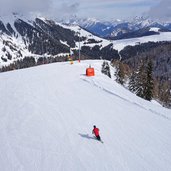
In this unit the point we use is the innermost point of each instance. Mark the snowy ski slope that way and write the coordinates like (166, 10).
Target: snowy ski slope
(47, 114)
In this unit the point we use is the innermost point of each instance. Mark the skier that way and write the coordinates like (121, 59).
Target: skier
(96, 133)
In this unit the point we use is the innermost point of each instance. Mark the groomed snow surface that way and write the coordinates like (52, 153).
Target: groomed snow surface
(47, 115)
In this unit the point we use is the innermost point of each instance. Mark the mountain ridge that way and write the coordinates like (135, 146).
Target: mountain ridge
(114, 28)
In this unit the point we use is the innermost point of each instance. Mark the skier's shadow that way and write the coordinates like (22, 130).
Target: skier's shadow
(87, 136)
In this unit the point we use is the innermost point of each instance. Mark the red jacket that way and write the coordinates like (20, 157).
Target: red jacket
(96, 131)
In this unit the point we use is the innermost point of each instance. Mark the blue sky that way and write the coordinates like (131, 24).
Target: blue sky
(100, 9)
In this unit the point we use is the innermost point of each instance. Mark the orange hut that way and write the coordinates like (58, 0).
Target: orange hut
(90, 72)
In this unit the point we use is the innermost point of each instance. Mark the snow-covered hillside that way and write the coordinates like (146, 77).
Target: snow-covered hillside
(22, 37)
(47, 114)
(83, 33)
(120, 44)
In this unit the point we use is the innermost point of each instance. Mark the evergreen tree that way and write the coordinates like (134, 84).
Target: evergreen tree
(149, 85)
(120, 73)
(165, 93)
(132, 82)
(106, 69)
(141, 81)
(156, 89)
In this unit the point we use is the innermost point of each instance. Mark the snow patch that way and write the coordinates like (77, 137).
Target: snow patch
(155, 29)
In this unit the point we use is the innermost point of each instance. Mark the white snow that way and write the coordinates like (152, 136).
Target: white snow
(47, 114)
(155, 29)
(17, 43)
(120, 44)
(65, 43)
(83, 33)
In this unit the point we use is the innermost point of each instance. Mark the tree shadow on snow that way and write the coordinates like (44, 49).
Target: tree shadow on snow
(87, 136)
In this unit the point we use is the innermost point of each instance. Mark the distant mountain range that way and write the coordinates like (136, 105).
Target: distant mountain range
(120, 29)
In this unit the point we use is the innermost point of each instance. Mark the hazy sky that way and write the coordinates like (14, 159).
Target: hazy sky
(101, 9)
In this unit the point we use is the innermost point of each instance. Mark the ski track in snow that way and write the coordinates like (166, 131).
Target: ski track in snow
(97, 84)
